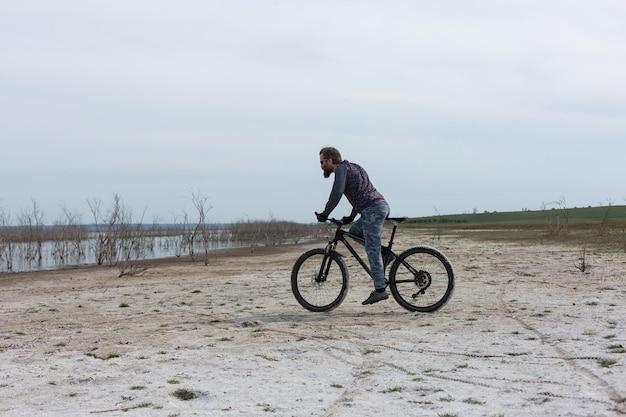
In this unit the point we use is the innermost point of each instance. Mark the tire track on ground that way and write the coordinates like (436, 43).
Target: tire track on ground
(561, 354)
(370, 361)
(511, 382)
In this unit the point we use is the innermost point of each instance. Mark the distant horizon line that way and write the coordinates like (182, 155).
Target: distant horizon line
(98, 226)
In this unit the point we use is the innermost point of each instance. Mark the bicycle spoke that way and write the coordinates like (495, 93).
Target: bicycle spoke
(421, 279)
(319, 281)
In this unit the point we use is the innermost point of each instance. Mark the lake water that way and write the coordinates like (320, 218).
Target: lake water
(158, 247)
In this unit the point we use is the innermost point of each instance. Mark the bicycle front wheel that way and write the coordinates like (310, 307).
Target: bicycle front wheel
(319, 280)
(421, 279)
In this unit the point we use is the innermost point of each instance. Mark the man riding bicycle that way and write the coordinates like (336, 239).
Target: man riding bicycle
(352, 181)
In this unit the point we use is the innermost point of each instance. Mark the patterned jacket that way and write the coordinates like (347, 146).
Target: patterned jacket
(352, 181)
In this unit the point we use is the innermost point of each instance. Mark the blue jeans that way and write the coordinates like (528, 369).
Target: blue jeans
(370, 227)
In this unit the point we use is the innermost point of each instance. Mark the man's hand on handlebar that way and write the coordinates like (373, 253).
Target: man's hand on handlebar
(347, 219)
(322, 218)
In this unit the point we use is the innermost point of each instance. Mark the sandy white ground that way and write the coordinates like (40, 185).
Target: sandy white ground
(525, 334)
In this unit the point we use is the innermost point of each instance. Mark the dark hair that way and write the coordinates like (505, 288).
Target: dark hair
(331, 153)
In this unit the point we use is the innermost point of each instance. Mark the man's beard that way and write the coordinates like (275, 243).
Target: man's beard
(327, 172)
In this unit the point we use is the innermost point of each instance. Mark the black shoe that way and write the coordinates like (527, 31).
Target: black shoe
(376, 297)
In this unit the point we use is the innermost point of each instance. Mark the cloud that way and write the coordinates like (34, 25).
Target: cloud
(151, 99)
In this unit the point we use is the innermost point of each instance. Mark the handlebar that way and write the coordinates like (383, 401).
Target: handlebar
(394, 220)
(337, 222)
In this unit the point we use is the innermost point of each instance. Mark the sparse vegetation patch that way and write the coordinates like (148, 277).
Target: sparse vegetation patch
(184, 394)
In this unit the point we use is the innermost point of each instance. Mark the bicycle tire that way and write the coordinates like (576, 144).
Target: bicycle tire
(316, 294)
(421, 279)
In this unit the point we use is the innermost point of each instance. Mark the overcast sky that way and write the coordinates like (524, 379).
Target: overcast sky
(451, 106)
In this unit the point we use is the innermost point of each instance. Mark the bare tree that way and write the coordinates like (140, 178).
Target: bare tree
(581, 263)
(106, 230)
(296, 232)
(133, 240)
(118, 241)
(558, 217)
(178, 242)
(31, 233)
(101, 237)
(69, 236)
(269, 232)
(247, 231)
(6, 239)
(201, 230)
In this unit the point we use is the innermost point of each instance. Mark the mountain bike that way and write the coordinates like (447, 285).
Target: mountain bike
(420, 278)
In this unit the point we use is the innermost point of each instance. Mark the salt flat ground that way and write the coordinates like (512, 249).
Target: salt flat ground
(525, 334)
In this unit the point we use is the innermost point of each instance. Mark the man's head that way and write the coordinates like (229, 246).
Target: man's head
(329, 159)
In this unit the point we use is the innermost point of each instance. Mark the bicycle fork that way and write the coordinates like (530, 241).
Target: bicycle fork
(325, 267)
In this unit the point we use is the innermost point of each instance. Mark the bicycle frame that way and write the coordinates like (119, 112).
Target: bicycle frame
(340, 236)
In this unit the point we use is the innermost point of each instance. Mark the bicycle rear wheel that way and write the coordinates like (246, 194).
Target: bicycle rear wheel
(319, 281)
(421, 279)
